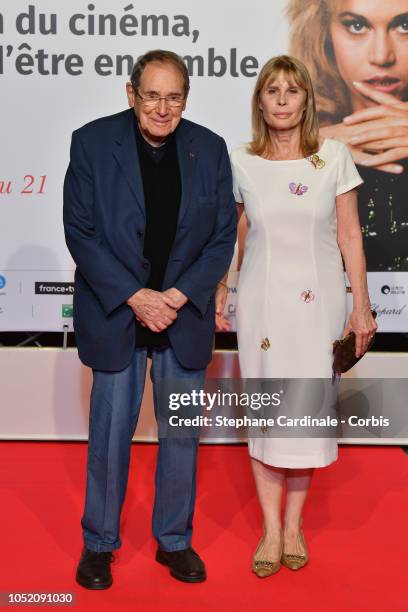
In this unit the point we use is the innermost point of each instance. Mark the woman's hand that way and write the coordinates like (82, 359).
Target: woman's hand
(346, 133)
(363, 324)
(376, 136)
(221, 323)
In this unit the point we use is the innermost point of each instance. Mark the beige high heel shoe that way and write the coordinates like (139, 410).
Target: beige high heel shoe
(265, 567)
(295, 562)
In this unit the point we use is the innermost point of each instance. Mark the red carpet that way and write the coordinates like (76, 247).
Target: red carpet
(355, 525)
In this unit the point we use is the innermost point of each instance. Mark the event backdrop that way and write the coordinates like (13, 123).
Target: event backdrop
(63, 64)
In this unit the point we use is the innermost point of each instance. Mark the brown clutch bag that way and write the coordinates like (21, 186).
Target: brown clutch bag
(344, 352)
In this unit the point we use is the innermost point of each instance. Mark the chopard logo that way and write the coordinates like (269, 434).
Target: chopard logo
(388, 311)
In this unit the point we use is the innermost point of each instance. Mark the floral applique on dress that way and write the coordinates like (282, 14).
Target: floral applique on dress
(298, 188)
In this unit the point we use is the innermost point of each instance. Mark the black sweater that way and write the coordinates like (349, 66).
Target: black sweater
(162, 194)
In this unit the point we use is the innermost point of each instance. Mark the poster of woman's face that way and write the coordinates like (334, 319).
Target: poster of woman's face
(357, 54)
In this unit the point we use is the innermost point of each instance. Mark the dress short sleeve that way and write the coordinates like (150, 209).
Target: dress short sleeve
(235, 184)
(347, 173)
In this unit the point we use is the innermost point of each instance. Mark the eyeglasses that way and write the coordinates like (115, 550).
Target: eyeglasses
(151, 100)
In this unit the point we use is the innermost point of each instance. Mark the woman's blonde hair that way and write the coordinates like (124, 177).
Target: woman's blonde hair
(295, 71)
(310, 41)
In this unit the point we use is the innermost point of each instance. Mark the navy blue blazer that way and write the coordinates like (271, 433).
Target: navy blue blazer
(104, 222)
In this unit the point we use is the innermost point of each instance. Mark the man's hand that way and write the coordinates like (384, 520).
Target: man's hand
(174, 298)
(152, 310)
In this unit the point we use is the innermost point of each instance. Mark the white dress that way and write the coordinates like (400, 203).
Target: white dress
(291, 298)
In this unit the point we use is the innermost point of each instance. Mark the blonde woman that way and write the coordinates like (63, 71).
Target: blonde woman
(357, 54)
(298, 193)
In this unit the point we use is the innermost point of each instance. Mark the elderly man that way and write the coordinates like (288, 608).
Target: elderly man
(150, 222)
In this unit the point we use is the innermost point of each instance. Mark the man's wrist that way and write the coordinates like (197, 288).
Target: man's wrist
(131, 300)
(176, 298)
(178, 293)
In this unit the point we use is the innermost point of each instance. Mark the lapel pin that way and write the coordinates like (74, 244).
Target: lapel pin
(192, 155)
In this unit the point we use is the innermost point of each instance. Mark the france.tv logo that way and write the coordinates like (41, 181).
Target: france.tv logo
(2, 281)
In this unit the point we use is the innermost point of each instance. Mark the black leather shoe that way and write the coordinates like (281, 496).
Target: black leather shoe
(94, 569)
(184, 565)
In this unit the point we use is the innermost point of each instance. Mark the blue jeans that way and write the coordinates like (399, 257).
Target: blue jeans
(115, 404)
